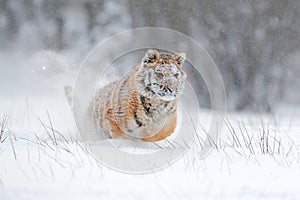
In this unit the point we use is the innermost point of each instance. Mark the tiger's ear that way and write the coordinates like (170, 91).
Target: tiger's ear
(180, 58)
(151, 56)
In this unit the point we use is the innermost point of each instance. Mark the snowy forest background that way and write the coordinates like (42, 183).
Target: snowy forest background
(255, 44)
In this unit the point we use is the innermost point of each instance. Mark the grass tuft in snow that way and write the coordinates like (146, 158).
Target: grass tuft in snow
(260, 138)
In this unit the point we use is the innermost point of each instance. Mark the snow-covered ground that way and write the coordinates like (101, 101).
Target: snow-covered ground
(42, 157)
(38, 168)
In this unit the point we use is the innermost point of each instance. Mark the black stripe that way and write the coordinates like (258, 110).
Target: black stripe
(166, 104)
(144, 104)
(148, 88)
(137, 121)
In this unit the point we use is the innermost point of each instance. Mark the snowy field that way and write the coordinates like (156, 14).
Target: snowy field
(256, 160)
(42, 157)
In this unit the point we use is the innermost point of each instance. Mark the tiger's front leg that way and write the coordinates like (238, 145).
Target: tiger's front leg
(165, 131)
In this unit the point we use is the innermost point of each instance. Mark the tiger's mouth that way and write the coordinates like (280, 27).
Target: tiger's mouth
(166, 96)
(166, 88)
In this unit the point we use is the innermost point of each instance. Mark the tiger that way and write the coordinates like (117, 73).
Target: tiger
(143, 103)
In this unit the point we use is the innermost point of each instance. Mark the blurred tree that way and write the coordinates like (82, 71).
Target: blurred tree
(249, 40)
(11, 21)
(53, 10)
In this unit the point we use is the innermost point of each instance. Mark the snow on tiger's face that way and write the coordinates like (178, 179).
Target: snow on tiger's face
(163, 75)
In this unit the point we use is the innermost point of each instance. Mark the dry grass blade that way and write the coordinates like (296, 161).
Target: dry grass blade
(51, 128)
(3, 127)
(233, 133)
(12, 139)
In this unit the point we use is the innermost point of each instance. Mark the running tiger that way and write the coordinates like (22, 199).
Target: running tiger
(143, 103)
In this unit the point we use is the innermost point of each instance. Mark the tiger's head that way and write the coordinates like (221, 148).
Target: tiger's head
(160, 75)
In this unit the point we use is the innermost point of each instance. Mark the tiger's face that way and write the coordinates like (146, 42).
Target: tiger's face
(161, 75)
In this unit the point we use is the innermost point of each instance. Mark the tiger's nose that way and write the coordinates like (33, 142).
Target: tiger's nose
(163, 87)
(167, 87)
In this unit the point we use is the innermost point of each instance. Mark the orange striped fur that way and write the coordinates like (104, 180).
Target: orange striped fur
(142, 104)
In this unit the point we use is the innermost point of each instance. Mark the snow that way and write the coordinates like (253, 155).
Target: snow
(52, 172)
